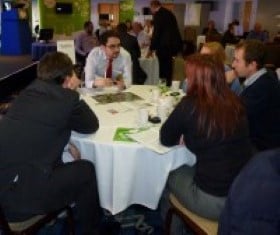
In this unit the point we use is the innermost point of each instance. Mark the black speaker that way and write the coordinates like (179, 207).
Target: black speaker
(146, 11)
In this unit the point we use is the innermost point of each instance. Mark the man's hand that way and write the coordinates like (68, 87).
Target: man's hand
(71, 82)
(103, 82)
(120, 82)
(230, 76)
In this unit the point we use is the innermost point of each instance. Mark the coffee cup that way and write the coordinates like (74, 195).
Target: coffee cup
(175, 85)
(143, 116)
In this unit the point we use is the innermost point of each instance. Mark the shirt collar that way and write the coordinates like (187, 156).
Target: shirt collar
(250, 80)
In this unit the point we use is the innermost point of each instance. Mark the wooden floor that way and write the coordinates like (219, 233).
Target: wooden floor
(10, 64)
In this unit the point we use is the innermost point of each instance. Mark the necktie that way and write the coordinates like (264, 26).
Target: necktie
(109, 69)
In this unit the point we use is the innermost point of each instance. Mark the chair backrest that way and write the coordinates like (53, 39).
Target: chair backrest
(198, 224)
(33, 224)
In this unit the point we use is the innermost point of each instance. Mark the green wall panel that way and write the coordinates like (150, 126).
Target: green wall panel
(126, 10)
(63, 23)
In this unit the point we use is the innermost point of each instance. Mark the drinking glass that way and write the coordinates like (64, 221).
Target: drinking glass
(162, 85)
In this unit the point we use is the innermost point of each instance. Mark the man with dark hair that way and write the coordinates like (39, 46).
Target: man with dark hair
(33, 133)
(166, 39)
(130, 43)
(261, 94)
(109, 64)
(84, 42)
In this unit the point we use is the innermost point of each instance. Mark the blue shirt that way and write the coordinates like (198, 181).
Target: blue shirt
(262, 35)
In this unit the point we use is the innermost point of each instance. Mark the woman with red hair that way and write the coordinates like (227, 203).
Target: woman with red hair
(211, 121)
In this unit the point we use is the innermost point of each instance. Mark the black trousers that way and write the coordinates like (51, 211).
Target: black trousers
(165, 64)
(73, 182)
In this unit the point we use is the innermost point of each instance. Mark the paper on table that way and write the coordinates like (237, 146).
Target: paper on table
(121, 134)
(150, 139)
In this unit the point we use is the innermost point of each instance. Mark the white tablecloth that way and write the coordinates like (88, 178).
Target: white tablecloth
(127, 173)
(151, 67)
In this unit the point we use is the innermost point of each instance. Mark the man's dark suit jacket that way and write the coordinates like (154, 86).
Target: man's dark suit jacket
(33, 135)
(166, 35)
(130, 43)
(262, 102)
(252, 205)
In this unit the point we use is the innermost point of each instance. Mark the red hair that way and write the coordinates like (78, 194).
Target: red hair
(218, 109)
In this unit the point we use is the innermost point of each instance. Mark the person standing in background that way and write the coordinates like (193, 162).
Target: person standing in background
(84, 42)
(166, 40)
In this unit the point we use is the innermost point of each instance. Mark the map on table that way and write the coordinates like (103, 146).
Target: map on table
(116, 97)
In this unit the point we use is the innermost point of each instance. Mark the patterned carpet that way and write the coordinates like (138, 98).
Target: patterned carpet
(136, 220)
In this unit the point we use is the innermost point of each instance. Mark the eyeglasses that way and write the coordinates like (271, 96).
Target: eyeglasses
(114, 46)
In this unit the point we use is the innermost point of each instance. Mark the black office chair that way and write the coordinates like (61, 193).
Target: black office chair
(35, 223)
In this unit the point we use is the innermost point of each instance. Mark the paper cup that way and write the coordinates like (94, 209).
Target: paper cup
(175, 85)
(143, 116)
(162, 112)
(155, 95)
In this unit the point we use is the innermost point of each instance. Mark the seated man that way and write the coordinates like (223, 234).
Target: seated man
(210, 29)
(84, 42)
(109, 64)
(252, 206)
(261, 94)
(258, 34)
(33, 133)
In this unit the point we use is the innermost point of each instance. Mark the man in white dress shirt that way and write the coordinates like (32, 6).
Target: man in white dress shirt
(109, 64)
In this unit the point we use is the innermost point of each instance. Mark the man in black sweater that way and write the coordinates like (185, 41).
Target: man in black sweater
(261, 94)
(33, 134)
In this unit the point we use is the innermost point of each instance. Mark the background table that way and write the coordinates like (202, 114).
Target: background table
(41, 48)
(127, 173)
